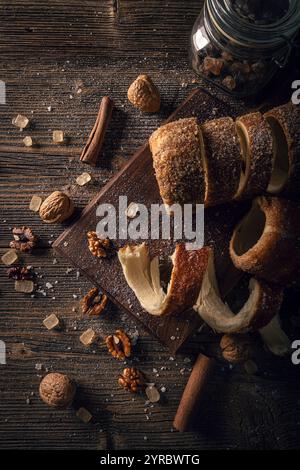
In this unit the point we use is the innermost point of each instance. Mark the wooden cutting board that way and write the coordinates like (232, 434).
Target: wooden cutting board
(137, 181)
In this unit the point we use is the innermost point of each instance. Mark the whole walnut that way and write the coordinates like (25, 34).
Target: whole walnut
(57, 390)
(144, 95)
(235, 348)
(56, 208)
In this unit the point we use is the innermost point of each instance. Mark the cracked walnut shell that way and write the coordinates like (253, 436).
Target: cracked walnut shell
(131, 379)
(58, 207)
(57, 390)
(119, 345)
(144, 95)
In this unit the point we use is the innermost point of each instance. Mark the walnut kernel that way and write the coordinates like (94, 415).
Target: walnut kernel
(99, 247)
(132, 379)
(93, 303)
(119, 345)
(24, 239)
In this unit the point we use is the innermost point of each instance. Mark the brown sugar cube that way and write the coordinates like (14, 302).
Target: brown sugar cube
(88, 337)
(153, 394)
(20, 121)
(58, 137)
(84, 415)
(10, 257)
(213, 66)
(229, 82)
(28, 141)
(51, 322)
(26, 287)
(83, 179)
(35, 203)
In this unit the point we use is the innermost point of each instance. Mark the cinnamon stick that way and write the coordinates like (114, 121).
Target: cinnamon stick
(192, 392)
(95, 141)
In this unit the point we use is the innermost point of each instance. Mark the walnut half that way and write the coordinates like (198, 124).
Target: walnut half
(24, 239)
(99, 247)
(93, 303)
(132, 379)
(119, 345)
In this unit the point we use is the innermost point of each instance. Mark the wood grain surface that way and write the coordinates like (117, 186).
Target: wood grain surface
(48, 54)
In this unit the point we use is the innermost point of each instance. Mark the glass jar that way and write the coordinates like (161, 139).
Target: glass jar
(240, 44)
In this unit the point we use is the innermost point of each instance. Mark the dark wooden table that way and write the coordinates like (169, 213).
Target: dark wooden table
(66, 55)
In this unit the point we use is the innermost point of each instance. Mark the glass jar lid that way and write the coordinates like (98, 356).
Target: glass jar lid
(236, 21)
